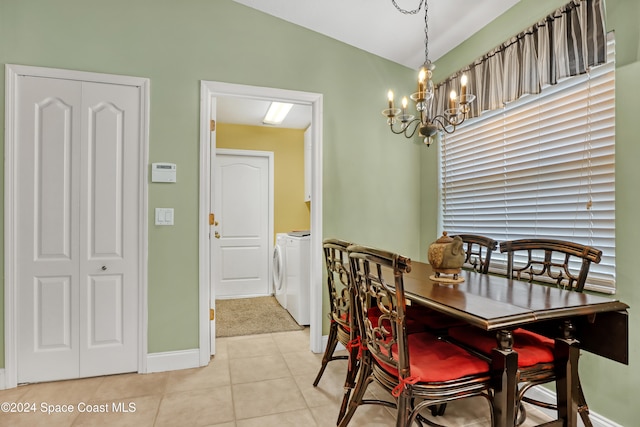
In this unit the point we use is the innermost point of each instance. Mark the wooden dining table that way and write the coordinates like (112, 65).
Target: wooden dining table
(577, 321)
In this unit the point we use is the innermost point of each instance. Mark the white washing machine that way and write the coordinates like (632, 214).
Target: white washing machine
(298, 276)
(279, 278)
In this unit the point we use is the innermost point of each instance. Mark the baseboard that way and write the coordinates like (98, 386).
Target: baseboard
(156, 362)
(325, 340)
(546, 395)
(173, 360)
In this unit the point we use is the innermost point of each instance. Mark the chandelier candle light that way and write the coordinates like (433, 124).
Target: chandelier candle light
(427, 124)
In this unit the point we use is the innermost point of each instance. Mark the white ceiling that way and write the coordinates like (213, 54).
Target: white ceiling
(246, 111)
(376, 27)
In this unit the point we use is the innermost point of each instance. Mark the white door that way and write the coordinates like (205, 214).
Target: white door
(78, 206)
(241, 201)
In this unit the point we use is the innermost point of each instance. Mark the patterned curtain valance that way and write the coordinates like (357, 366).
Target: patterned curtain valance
(565, 43)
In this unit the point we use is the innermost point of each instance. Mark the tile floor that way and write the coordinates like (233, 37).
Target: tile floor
(260, 380)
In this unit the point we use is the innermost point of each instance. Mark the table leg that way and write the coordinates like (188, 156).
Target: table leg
(567, 351)
(504, 368)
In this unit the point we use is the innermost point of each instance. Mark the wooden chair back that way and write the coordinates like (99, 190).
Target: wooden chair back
(478, 250)
(385, 331)
(338, 281)
(549, 260)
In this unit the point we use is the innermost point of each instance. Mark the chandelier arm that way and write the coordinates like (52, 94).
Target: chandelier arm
(445, 123)
(405, 130)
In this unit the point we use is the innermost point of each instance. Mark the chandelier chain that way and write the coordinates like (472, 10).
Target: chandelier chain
(429, 123)
(426, 23)
(426, 32)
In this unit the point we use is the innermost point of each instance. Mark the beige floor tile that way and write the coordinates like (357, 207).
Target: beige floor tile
(216, 374)
(292, 341)
(260, 380)
(133, 412)
(196, 408)
(259, 368)
(285, 419)
(251, 346)
(131, 385)
(329, 391)
(365, 416)
(64, 392)
(303, 362)
(14, 394)
(266, 398)
(38, 419)
(222, 349)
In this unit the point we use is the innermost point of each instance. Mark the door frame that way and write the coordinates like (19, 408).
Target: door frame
(270, 158)
(12, 73)
(209, 90)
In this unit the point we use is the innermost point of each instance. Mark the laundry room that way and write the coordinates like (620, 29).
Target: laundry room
(282, 302)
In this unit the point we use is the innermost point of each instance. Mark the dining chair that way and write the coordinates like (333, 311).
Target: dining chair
(419, 369)
(544, 262)
(343, 327)
(342, 323)
(478, 250)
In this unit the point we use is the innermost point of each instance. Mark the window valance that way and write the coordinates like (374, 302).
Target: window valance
(565, 43)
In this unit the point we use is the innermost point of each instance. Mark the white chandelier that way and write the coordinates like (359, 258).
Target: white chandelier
(426, 123)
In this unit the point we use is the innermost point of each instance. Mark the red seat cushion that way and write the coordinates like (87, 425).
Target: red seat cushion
(532, 348)
(413, 326)
(434, 360)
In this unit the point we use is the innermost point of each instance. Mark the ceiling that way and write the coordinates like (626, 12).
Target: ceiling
(374, 26)
(247, 111)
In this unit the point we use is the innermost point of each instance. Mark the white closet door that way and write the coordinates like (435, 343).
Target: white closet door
(48, 227)
(109, 229)
(77, 211)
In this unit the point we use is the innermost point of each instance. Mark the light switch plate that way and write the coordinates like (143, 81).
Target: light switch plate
(164, 216)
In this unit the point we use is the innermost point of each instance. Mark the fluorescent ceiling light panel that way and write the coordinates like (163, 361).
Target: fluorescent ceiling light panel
(276, 113)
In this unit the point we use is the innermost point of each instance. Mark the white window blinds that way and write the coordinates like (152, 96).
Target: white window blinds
(543, 166)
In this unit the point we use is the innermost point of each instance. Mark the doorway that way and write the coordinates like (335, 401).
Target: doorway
(210, 91)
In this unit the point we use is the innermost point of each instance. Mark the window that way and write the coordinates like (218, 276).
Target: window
(543, 166)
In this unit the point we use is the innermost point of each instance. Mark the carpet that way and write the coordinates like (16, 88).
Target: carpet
(249, 316)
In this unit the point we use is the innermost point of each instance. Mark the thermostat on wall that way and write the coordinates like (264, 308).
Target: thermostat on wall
(163, 172)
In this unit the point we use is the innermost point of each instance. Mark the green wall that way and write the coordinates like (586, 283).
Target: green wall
(610, 387)
(179, 43)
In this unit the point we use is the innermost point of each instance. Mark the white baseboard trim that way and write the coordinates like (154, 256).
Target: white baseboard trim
(325, 340)
(156, 362)
(546, 395)
(173, 360)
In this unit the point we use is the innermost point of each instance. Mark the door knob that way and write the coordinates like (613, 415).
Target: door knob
(216, 235)
(104, 267)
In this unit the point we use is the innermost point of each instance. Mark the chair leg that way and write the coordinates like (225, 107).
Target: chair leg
(363, 380)
(332, 343)
(404, 410)
(350, 381)
(583, 408)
